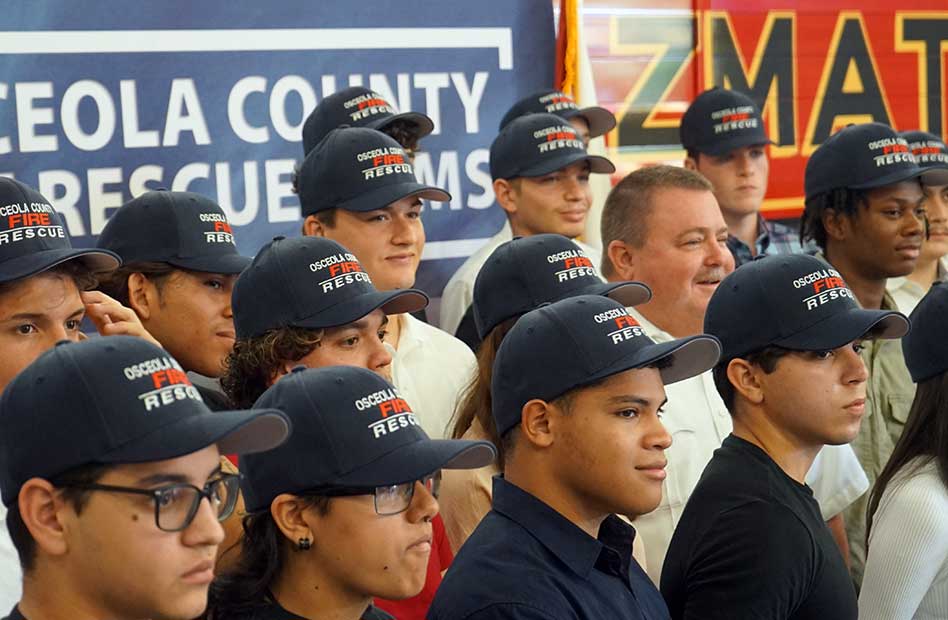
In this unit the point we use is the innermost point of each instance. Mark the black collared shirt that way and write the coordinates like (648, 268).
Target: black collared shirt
(751, 543)
(273, 611)
(15, 615)
(525, 561)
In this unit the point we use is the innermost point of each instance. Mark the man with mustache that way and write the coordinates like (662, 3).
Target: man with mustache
(865, 210)
(751, 542)
(541, 174)
(662, 226)
(724, 136)
(932, 266)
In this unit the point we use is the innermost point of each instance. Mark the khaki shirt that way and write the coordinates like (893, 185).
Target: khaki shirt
(889, 395)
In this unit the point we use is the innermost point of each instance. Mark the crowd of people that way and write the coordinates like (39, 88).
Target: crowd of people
(716, 416)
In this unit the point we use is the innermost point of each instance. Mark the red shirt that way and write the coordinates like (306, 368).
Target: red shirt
(416, 607)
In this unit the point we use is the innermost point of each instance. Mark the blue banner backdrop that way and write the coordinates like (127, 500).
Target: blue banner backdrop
(101, 100)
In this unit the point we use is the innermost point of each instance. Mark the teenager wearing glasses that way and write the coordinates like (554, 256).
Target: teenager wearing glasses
(342, 512)
(114, 503)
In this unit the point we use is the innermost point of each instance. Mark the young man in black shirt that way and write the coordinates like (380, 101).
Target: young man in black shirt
(751, 542)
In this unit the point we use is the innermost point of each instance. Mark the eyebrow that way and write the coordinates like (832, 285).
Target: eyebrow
(697, 229)
(631, 399)
(170, 478)
(39, 316)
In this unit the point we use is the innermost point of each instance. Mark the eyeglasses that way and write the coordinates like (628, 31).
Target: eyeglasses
(389, 500)
(177, 504)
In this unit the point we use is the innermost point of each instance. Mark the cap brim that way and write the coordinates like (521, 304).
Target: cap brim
(892, 178)
(424, 124)
(689, 357)
(419, 459)
(234, 432)
(225, 263)
(935, 175)
(597, 164)
(381, 197)
(391, 302)
(97, 261)
(626, 293)
(725, 147)
(845, 327)
(600, 120)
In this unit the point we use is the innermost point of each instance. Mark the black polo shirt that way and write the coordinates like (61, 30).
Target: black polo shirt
(273, 611)
(525, 561)
(751, 543)
(15, 615)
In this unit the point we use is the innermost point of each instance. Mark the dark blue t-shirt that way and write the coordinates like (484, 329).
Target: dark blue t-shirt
(525, 561)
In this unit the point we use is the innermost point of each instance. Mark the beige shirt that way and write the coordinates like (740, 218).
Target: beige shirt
(431, 369)
(889, 396)
(906, 294)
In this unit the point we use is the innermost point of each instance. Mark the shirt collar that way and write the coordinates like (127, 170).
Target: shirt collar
(762, 242)
(564, 539)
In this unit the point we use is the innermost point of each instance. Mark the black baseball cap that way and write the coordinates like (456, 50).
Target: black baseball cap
(310, 282)
(864, 156)
(525, 272)
(600, 120)
(34, 239)
(538, 144)
(358, 107)
(359, 170)
(797, 302)
(578, 341)
(721, 120)
(351, 428)
(931, 154)
(182, 229)
(111, 401)
(924, 347)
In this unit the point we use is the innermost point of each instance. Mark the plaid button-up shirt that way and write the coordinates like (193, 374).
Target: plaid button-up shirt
(772, 238)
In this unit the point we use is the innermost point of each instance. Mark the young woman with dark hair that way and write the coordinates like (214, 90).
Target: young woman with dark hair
(907, 522)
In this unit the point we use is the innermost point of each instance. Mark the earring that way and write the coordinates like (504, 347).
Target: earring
(304, 544)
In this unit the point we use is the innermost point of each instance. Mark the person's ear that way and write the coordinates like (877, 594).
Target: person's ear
(536, 423)
(293, 516)
(690, 164)
(44, 513)
(312, 227)
(506, 195)
(836, 224)
(745, 378)
(622, 256)
(143, 296)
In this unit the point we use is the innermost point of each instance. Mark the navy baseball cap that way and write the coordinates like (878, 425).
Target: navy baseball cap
(310, 282)
(721, 120)
(110, 401)
(538, 144)
(182, 229)
(34, 239)
(578, 341)
(351, 428)
(601, 121)
(931, 154)
(797, 302)
(863, 156)
(924, 346)
(359, 170)
(525, 272)
(358, 107)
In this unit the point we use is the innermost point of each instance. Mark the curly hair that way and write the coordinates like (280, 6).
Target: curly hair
(74, 270)
(255, 362)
